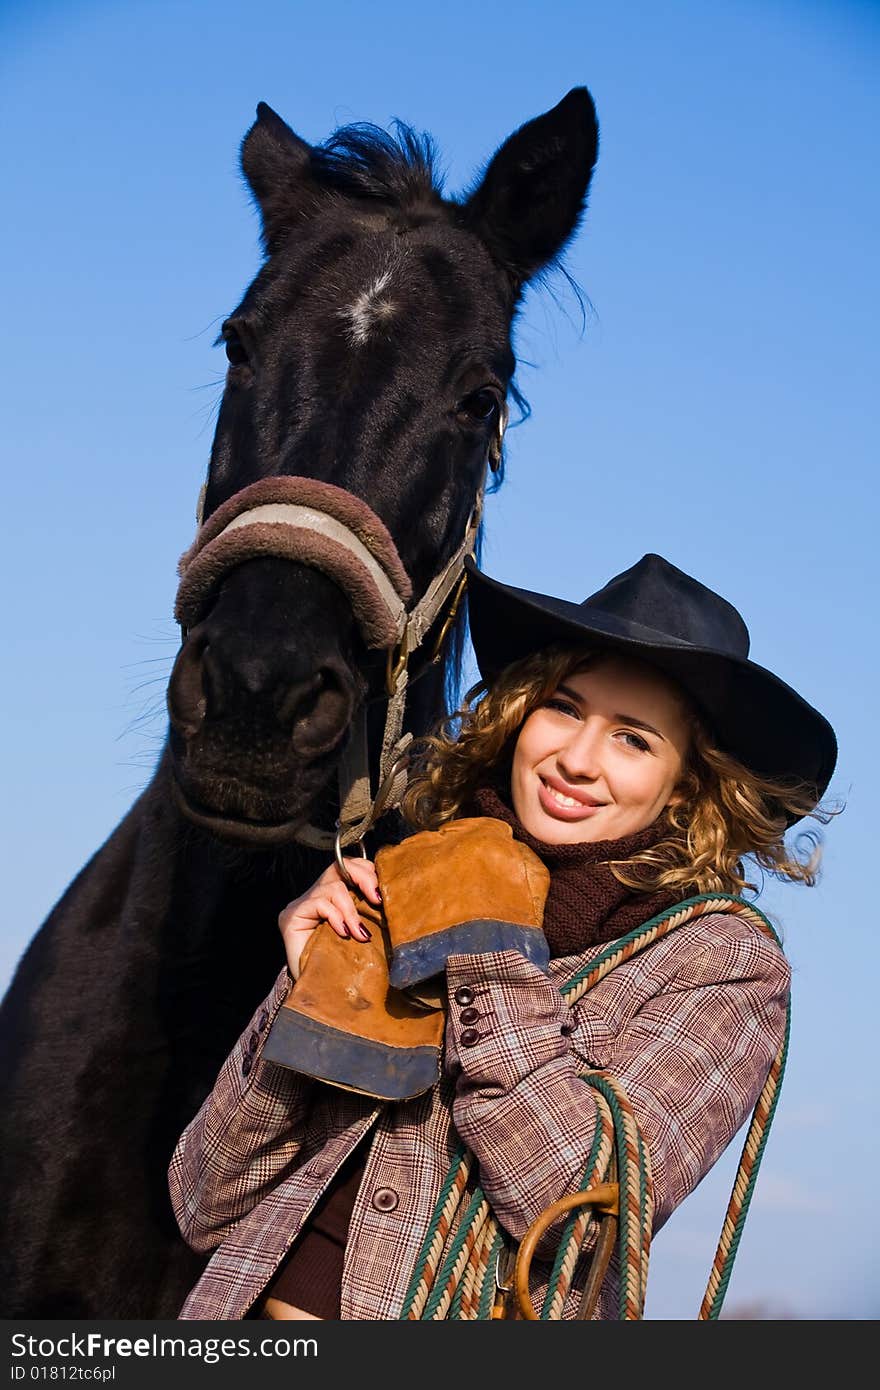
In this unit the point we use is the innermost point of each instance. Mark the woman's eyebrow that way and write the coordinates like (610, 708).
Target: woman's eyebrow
(572, 694)
(638, 724)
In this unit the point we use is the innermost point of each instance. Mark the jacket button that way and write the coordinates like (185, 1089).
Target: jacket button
(253, 1043)
(464, 995)
(246, 1066)
(263, 1020)
(385, 1199)
(469, 1037)
(469, 1015)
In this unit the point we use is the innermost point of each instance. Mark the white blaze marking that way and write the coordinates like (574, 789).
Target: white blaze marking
(369, 309)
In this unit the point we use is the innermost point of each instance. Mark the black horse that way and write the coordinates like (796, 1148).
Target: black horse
(372, 355)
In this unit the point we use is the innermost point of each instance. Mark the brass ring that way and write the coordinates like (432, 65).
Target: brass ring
(605, 1196)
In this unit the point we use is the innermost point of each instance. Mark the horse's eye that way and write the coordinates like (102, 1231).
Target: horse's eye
(480, 405)
(235, 349)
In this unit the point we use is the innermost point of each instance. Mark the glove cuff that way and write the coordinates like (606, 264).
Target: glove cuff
(417, 960)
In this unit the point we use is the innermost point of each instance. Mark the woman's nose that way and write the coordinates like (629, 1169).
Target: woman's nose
(579, 759)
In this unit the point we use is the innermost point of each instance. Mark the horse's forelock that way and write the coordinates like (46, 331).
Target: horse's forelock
(365, 161)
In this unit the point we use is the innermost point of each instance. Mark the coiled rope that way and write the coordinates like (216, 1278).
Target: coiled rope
(456, 1274)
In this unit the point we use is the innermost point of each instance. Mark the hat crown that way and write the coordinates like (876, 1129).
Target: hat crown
(655, 594)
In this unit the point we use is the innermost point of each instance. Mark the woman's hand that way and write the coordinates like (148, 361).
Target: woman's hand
(328, 900)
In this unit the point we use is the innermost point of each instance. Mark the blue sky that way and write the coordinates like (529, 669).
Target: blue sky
(718, 407)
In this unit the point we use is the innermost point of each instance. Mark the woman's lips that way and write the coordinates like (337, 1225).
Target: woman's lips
(582, 811)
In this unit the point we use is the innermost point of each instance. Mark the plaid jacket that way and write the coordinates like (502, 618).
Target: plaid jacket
(689, 1028)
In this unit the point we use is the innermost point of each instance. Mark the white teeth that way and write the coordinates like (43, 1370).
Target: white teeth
(563, 800)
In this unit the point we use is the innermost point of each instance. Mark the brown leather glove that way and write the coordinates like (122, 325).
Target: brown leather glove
(343, 1023)
(465, 888)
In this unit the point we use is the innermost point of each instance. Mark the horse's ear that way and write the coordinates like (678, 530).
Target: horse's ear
(534, 191)
(275, 162)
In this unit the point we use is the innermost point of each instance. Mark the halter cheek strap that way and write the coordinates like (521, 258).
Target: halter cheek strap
(358, 808)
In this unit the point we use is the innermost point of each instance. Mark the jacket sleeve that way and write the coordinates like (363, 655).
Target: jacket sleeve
(244, 1140)
(689, 1030)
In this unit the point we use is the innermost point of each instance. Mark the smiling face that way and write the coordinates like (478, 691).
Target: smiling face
(602, 756)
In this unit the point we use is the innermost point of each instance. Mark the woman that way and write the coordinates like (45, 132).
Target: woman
(631, 744)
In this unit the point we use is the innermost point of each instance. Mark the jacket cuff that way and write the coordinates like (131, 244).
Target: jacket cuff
(505, 1019)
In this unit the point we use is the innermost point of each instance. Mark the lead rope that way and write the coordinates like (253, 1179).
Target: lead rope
(464, 1282)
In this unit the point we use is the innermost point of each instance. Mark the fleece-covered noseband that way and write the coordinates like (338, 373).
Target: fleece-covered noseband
(315, 523)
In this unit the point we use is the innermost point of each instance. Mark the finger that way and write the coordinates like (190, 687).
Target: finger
(346, 905)
(309, 909)
(363, 871)
(301, 911)
(341, 896)
(330, 912)
(306, 913)
(343, 905)
(345, 902)
(301, 906)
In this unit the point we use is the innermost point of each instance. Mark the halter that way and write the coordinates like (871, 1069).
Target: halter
(332, 530)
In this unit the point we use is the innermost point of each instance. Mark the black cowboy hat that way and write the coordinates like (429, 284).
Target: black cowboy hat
(660, 614)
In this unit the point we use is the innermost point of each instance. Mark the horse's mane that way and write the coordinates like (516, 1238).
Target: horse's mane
(365, 161)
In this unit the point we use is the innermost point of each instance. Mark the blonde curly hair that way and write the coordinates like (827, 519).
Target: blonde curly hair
(725, 812)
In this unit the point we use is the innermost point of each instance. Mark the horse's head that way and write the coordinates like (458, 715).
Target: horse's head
(371, 353)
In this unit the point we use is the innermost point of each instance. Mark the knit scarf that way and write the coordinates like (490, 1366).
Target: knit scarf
(586, 904)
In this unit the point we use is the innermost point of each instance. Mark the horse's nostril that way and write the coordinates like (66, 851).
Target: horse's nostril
(297, 698)
(187, 698)
(320, 710)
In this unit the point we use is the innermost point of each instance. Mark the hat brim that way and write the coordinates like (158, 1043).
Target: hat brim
(753, 714)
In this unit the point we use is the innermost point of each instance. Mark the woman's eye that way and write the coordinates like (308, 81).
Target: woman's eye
(635, 741)
(564, 706)
(235, 349)
(480, 405)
